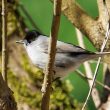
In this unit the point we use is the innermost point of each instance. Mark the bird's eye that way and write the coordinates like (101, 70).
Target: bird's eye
(29, 41)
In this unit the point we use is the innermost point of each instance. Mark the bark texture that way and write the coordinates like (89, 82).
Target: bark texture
(46, 88)
(7, 101)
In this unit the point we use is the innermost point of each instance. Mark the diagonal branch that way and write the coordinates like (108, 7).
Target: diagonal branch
(80, 19)
(92, 28)
(46, 88)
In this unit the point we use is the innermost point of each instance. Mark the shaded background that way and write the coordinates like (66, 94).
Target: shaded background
(72, 85)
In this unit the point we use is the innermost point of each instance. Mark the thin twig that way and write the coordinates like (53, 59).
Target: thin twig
(4, 39)
(29, 17)
(95, 94)
(46, 88)
(98, 64)
(87, 78)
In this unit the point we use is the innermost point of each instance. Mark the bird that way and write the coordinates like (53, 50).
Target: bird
(68, 56)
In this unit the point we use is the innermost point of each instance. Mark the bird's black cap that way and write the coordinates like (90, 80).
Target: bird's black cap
(31, 35)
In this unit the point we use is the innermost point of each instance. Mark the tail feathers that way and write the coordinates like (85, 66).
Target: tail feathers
(102, 53)
(95, 55)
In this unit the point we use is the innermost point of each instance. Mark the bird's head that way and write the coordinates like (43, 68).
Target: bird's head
(29, 38)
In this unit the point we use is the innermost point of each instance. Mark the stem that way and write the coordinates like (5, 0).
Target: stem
(46, 88)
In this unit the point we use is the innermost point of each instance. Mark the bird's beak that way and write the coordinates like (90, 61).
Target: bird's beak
(20, 41)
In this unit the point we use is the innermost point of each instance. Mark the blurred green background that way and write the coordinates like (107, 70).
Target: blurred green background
(41, 13)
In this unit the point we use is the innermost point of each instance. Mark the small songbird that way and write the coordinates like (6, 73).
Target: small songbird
(68, 56)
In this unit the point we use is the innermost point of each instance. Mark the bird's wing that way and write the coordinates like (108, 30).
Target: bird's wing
(63, 47)
(66, 48)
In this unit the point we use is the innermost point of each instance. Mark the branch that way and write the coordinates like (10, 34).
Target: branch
(46, 88)
(95, 94)
(79, 18)
(103, 12)
(4, 39)
(92, 28)
(7, 101)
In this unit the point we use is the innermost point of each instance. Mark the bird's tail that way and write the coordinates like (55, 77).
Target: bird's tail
(99, 54)
(95, 55)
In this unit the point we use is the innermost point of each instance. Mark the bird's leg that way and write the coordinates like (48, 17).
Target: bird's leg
(55, 78)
